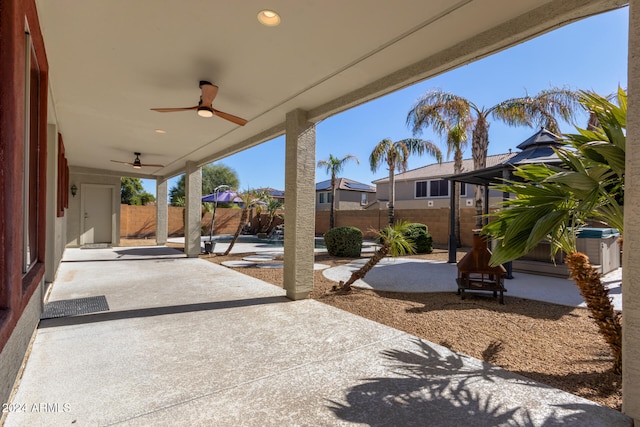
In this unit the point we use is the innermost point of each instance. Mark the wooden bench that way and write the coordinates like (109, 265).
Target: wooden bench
(481, 282)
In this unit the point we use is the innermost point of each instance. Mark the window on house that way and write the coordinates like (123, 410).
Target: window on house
(463, 189)
(325, 197)
(421, 189)
(439, 188)
(30, 176)
(363, 199)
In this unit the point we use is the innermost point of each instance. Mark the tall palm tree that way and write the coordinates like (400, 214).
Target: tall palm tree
(447, 122)
(334, 166)
(554, 202)
(249, 198)
(394, 241)
(396, 156)
(541, 110)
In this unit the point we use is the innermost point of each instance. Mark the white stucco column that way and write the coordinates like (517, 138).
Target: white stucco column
(631, 246)
(162, 211)
(193, 209)
(299, 218)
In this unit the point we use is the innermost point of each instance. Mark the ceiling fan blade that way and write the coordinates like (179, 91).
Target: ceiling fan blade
(173, 110)
(235, 119)
(151, 165)
(124, 163)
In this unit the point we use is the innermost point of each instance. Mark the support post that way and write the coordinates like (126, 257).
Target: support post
(631, 251)
(193, 210)
(299, 220)
(162, 212)
(453, 242)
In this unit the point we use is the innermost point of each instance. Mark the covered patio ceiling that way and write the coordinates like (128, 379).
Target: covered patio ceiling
(112, 61)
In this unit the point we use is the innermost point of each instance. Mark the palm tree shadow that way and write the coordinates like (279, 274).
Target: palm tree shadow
(435, 387)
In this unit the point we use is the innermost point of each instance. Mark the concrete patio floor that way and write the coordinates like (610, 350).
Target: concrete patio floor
(185, 342)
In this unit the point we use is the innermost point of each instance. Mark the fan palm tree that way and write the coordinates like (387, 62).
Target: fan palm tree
(447, 123)
(249, 198)
(541, 110)
(396, 156)
(334, 166)
(394, 241)
(554, 202)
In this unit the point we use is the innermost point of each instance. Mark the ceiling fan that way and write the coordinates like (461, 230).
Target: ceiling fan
(205, 106)
(137, 164)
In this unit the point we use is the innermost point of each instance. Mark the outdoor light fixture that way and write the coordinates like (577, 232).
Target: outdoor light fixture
(74, 190)
(269, 18)
(137, 164)
(204, 111)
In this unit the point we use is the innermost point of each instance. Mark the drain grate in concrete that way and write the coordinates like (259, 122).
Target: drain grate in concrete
(74, 307)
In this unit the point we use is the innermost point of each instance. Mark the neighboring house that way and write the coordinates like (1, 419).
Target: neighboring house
(426, 187)
(276, 194)
(350, 195)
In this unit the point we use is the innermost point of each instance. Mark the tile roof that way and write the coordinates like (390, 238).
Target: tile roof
(436, 170)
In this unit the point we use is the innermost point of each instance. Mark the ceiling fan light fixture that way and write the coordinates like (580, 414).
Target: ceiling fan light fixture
(268, 17)
(137, 164)
(204, 111)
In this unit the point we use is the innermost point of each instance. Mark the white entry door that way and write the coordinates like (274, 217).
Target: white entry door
(97, 211)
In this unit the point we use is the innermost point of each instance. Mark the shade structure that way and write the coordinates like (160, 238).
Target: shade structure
(226, 196)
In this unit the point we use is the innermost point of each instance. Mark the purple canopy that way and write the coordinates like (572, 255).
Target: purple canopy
(226, 196)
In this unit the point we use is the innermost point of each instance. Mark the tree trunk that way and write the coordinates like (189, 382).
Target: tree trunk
(243, 219)
(359, 274)
(457, 169)
(392, 193)
(479, 148)
(333, 201)
(596, 295)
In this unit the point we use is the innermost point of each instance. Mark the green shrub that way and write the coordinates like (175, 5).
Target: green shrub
(344, 241)
(423, 241)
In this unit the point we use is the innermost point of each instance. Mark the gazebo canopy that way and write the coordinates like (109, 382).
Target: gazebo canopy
(538, 148)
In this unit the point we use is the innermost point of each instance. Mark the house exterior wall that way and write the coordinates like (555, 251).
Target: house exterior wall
(74, 224)
(345, 200)
(20, 293)
(405, 196)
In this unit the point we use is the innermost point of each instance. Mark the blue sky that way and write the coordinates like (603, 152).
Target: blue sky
(589, 54)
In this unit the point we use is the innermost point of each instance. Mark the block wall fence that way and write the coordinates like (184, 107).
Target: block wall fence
(140, 221)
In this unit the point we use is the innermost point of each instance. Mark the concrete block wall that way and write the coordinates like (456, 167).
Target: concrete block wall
(437, 220)
(140, 221)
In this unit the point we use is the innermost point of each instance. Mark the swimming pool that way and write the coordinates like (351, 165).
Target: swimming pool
(319, 241)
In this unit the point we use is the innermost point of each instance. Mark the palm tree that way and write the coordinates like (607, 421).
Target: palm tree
(249, 198)
(395, 242)
(446, 121)
(554, 202)
(334, 166)
(272, 207)
(396, 156)
(541, 110)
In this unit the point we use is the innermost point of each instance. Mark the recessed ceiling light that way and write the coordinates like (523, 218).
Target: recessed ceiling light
(160, 131)
(269, 18)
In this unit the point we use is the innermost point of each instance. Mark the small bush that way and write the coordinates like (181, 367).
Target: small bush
(422, 240)
(344, 241)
